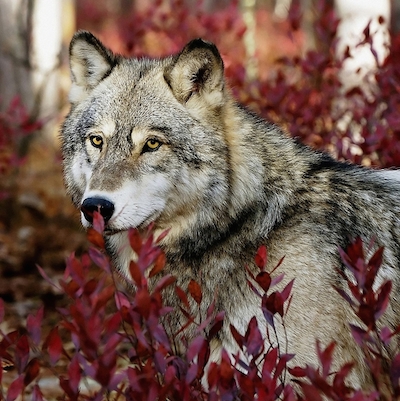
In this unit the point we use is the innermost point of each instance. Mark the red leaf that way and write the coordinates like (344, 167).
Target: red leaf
(264, 280)
(298, 371)
(341, 376)
(385, 335)
(75, 268)
(195, 291)
(194, 348)
(344, 295)
(325, 357)
(191, 373)
(74, 374)
(98, 222)
(359, 334)
(162, 236)
(247, 386)
(254, 340)
(47, 278)
(278, 264)
(143, 301)
(226, 371)
(121, 300)
(8, 339)
(269, 362)
(64, 384)
(237, 336)
(37, 394)
(160, 362)
(355, 290)
(273, 303)
(53, 344)
(31, 371)
(148, 257)
(277, 280)
(261, 257)
(182, 296)
(268, 314)
(217, 325)
(373, 266)
(136, 274)
(135, 240)
(158, 265)
(112, 324)
(95, 238)
(282, 363)
(15, 389)
(164, 283)
(310, 392)
(203, 356)
(366, 314)
(33, 325)
(99, 259)
(286, 291)
(383, 299)
(22, 353)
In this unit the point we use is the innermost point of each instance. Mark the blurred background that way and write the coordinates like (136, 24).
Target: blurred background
(327, 71)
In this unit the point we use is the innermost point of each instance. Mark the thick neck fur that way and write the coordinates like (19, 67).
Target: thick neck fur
(256, 189)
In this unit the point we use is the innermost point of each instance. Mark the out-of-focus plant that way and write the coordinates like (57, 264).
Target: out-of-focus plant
(15, 126)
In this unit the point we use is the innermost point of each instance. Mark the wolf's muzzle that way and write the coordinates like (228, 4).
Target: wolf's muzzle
(103, 206)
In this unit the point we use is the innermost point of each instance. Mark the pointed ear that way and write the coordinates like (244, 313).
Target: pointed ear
(197, 74)
(90, 63)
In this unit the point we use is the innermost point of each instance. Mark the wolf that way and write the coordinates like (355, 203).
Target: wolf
(163, 141)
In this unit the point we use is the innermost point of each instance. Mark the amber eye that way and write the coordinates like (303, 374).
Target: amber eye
(151, 145)
(96, 141)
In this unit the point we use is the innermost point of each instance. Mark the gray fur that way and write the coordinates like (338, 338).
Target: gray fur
(228, 183)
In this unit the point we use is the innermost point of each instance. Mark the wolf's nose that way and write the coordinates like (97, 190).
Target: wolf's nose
(103, 206)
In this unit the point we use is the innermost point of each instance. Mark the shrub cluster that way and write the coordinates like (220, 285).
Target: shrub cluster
(15, 125)
(112, 344)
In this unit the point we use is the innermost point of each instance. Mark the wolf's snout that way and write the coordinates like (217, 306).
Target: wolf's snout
(103, 206)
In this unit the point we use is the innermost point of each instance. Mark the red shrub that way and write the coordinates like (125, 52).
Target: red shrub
(15, 125)
(118, 341)
(121, 345)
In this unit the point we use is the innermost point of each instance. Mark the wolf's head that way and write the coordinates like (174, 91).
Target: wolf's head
(145, 139)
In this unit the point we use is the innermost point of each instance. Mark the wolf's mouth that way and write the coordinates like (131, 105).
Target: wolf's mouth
(109, 231)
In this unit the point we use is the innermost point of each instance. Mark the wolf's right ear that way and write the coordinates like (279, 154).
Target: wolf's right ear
(196, 75)
(90, 63)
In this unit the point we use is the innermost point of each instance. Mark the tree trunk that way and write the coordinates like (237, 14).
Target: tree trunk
(30, 54)
(355, 15)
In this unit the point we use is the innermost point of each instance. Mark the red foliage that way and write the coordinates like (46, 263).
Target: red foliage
(119, 341)
(15, 125)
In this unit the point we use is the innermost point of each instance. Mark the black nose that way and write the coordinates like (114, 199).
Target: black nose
(103, 206)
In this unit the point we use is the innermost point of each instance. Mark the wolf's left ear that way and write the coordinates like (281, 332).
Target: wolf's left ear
(90, 63)
(197, 72)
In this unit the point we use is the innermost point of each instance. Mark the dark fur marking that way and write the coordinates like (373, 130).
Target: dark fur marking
(129, 140)
(201, 44)
(162, 129)
(326, 163)
(194, 247)
(111, 59)
(200, 77)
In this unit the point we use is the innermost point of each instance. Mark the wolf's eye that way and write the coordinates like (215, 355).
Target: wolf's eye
(151, 145)
(96, 141)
